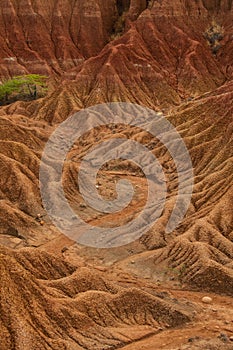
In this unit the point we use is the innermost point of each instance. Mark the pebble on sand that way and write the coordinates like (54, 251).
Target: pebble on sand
(207, 300)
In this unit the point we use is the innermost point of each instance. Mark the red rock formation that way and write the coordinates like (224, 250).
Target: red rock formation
(49, 36)
(176, 56)
(54, 36)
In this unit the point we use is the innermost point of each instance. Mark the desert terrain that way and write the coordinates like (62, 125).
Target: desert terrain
(172, 57)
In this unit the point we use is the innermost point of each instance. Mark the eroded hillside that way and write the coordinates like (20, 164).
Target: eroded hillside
(175, 58)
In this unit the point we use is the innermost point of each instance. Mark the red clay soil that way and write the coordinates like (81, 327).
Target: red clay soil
(175, 57)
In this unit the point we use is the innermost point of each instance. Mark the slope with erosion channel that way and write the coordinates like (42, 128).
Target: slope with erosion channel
(171, 57)
(54, 305)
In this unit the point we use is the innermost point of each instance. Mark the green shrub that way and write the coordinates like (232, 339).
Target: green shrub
(23, 87)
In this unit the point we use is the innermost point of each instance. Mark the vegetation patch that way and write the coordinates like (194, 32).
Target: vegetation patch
(214, 35)
(23, 88)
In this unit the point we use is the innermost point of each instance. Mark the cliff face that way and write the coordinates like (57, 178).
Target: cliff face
(152, 52)
(51, 36)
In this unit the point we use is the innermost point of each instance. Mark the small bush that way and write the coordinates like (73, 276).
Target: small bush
(214, 35)
(23, 87)
(119, 27)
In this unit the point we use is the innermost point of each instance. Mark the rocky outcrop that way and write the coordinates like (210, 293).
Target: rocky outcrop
(52, 37)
